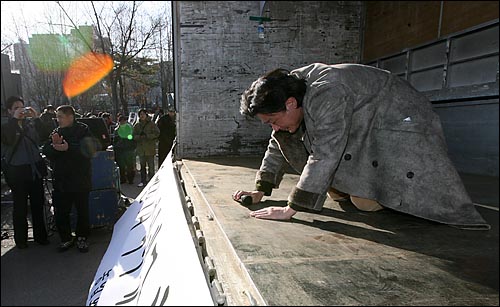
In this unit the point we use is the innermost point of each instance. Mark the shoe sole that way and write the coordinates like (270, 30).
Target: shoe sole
(63, 249)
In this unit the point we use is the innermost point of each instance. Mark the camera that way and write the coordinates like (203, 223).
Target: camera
(26, 110)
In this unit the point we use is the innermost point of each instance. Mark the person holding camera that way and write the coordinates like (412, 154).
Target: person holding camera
(24, 169)
(146, 133)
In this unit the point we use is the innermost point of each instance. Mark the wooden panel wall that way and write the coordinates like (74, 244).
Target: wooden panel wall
(391, 26)
(460, 15)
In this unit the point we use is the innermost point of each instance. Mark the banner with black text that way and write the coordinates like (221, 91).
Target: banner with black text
(151, 259)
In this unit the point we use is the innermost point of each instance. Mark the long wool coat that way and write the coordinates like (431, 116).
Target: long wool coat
(370, 134)
(146, 146)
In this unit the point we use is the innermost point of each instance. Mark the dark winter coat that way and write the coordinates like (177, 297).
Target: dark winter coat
(167, 128)
(370, 134)
(166, 125)
(24, 159)
(146, 135)
(72, 170)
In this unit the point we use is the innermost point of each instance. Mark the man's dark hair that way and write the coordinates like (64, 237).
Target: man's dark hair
(105, 115)
(67, 109)
(142, 110)
(50, 107)
(10, 101)
(269, 93)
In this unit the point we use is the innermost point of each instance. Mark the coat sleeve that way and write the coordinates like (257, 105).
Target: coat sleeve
(10, 135)
(136, 131)
(271, 170)
(8, 131)
(331, 113)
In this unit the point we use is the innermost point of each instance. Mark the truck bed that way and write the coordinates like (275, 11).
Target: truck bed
(340, 256)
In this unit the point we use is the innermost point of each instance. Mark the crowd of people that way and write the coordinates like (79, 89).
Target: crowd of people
(32, 141)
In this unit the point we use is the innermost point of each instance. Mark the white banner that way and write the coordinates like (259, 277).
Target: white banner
(151, 259)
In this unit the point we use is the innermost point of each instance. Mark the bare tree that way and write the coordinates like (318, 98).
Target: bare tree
(41, 86)
(43, 61)
(125, 30)
(130, 35)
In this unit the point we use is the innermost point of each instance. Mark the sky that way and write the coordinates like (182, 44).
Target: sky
(23, 18)
(28, 17)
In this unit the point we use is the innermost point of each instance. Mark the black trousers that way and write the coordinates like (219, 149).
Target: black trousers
(63, 203)
(23, 186)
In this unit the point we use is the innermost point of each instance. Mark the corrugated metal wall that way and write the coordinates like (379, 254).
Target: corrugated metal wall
(459, 74)
(392, 26)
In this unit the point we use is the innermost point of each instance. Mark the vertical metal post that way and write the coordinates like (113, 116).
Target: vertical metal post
(447, 63)
(408, 65)
(440, 19)
(177, 67)
(162, 79)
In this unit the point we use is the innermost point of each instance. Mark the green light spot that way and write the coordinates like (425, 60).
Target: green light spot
(126, 131)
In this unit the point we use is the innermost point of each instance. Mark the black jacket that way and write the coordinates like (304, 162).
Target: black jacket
(72, 170)
(20, 147)
(166, 125)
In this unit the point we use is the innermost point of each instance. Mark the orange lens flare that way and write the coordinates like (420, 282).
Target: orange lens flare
(86, 71)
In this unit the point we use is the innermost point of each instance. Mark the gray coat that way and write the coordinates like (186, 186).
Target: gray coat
(370, 134)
